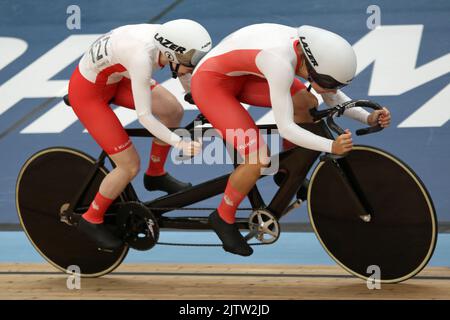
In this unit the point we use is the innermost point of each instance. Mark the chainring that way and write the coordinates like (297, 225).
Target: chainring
(264, 226)
(137, 225)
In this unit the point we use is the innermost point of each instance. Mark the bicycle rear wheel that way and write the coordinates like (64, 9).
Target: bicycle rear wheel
(401, 236)
(45, 186)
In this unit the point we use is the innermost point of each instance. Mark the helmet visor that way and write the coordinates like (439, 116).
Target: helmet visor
(191, 58)
(323, 80)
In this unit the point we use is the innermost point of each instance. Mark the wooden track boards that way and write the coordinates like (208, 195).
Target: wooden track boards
(171, 281)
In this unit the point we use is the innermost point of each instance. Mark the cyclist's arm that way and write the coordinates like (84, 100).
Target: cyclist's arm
(185, 81)
(140, 74)
(280, 76)
(357, 113)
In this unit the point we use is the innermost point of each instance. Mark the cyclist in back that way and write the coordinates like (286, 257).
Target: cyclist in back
(118, 68)
(257, 65)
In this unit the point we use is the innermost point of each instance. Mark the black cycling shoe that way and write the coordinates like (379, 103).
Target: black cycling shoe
(99, 234)
(302, 193)
(165, 183)
(229, 234)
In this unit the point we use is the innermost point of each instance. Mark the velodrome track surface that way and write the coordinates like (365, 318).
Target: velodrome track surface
(219, 281)
(295, 267)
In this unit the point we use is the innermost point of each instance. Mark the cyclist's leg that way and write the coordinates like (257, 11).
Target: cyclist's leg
(303, 101)
(164, 104)
(90, 103)
(215, 96)
(170, 112)
(256, 92)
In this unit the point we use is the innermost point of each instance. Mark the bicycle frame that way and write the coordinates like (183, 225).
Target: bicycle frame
(295, 163)
(340, 194)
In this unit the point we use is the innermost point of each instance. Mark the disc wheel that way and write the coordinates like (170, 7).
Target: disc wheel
(45, 186)
(400, 235)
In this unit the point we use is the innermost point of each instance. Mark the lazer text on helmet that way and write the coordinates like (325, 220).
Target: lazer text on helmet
(308, 52)
(169, 44)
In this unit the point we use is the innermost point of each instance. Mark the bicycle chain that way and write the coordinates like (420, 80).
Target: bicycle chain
(201, 244)
(197, 244)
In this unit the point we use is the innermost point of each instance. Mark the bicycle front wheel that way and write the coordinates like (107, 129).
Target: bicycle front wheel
(400, 237)
(45, 186)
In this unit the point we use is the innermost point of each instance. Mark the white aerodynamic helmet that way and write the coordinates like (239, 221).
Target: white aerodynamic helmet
(183, 41)
(330, 59)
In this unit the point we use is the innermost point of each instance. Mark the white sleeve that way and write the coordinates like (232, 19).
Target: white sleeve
(357, 113)
(185, 81)
(140, 75)
(280, 76)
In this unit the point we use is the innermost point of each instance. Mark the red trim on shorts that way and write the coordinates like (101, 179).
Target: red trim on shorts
(219, 95)
(234, 61)
(102, 77)
(90, 102)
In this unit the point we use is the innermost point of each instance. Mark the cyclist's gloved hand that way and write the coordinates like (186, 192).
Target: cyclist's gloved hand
(343, 143)
(188, 98)
(189, 147)
(380, 117)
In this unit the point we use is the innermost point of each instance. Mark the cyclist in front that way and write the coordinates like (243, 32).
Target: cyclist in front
(118, 68)
(257, 65)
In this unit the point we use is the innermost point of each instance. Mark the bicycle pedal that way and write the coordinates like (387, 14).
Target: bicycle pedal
(251, 235)
(296, 204)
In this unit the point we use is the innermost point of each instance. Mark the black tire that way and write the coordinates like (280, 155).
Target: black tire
(402, 234)
(47, 181)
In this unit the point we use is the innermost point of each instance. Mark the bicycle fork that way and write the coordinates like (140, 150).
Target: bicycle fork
(350, 182)
(353, 188)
